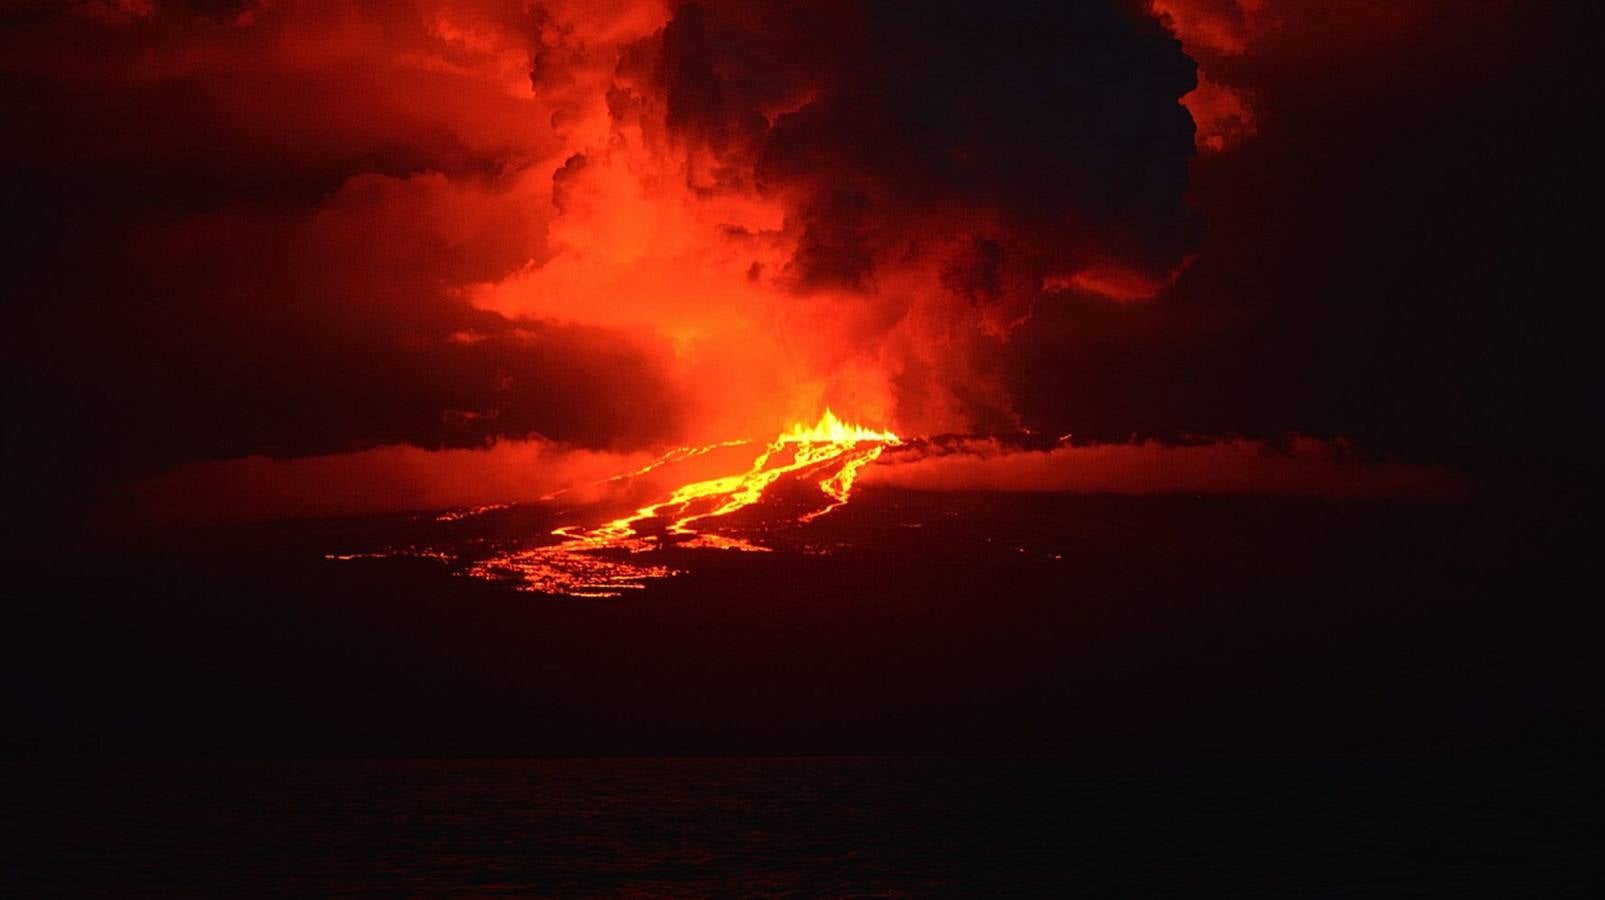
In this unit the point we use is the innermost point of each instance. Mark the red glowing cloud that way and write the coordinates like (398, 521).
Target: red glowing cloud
(326, 228)
(1223, 116)
(1216, 26)
(763, 190)
(781, 213)
(1211, 30)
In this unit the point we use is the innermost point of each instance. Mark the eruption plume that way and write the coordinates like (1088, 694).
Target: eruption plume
(851, 204)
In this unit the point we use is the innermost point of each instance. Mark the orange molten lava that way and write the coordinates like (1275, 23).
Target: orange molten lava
(586, 563)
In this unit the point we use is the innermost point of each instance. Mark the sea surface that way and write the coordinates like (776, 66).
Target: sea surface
(1283, 826)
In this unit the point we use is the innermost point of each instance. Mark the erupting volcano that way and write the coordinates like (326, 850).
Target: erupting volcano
(818, 465)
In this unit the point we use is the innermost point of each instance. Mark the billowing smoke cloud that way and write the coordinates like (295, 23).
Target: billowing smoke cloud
(240, 228)
(853, 204)
(1222, 34)
(1212, 31)
(332, 225)
(1021, 145)
(320, 226)
(1217, 26)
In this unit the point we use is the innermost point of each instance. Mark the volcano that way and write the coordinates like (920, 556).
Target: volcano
(803, 474)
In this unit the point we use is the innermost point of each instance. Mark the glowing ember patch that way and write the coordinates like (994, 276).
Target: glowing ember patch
(564, 570)
(457, 515)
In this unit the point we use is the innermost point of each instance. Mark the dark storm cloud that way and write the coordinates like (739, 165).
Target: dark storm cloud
(1393, 257)
(1050, 131)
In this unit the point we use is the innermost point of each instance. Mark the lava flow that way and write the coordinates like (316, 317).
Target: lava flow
(595, 562)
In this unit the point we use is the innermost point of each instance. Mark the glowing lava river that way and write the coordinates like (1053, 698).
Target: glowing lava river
(816, 467)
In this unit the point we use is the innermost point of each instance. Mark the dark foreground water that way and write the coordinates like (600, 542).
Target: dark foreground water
(1271, 826)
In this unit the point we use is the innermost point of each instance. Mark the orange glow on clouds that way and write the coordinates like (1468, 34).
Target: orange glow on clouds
(662, 223)
(501, 182)
(1227, 27)
(1116, 283)
(1210, 29)
(1222, 114)
(500, 166)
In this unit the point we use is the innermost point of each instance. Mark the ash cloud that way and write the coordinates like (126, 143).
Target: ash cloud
(925, 173)
(1058, 132)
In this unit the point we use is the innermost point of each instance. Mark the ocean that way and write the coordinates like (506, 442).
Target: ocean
(1285, 826)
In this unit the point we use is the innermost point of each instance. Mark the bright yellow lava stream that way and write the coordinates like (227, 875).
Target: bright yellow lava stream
(832, 450)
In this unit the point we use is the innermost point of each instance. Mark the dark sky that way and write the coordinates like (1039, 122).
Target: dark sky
(312, 228)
